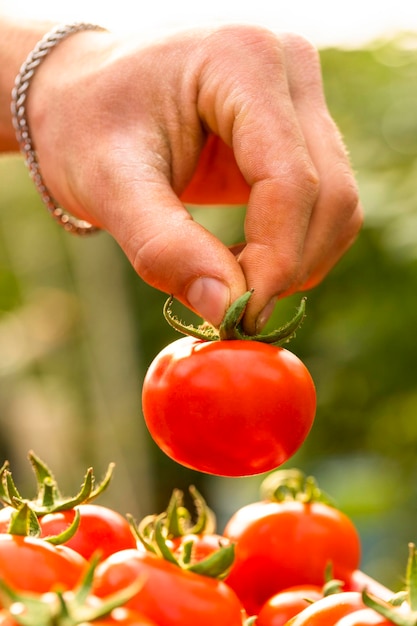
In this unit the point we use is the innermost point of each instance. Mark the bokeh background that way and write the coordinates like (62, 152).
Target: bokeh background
(78, 329)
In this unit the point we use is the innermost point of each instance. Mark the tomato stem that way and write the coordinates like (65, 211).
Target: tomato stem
(231, 327)
(292, 484)
(49, 498)
(390, 609)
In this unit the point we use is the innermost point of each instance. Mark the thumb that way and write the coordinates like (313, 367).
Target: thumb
(175, 254)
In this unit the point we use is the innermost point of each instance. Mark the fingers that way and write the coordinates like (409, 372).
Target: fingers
(337, 215)
(303, 211)
(263, 97)
(169, 250)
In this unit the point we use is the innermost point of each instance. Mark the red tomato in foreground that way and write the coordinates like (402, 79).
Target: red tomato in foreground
(358, 581)
(230, 408)
(170, 596)
(365, 617)
(286, 604)
(328, 610)
(288, 543)
(100, 528)
(31, 564)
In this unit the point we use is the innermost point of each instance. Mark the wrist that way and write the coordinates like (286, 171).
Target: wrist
(17, 39)
(22, 96)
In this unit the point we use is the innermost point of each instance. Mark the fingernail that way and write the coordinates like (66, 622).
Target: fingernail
(210, 297)
(265, 314)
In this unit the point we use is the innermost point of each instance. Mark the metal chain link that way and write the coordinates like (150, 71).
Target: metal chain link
(18, 108)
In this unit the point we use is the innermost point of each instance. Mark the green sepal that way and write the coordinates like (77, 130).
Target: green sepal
(231, 327)
(292, 484)
(217, 564)
(68, 533)
(155, 532)
(179, 519)
(24, 522)
(393, 610)
(48, 498)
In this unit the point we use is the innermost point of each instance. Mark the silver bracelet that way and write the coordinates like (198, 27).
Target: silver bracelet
(21, 126)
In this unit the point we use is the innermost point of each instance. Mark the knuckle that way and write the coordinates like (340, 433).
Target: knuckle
(250, 40)
(300, 46)
(346, 191)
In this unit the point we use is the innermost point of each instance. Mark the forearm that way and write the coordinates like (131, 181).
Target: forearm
(17, 39)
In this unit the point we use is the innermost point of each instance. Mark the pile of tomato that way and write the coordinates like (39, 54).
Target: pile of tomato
(290, 558)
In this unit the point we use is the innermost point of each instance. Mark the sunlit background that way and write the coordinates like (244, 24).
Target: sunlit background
(324, 22)
(78, 327)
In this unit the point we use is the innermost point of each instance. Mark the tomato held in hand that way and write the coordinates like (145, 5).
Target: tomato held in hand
(229, 404)
(230, 408)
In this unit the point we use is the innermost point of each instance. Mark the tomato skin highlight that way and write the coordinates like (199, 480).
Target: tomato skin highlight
(229, 408)
(286, 604)
(288, 543)
(364, 617)
(32, 564)
(170, 595)
(328, 610)
(358, 581)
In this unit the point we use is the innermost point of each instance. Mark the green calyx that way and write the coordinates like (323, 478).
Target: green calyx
(292, 484)
(57, 608)
(49, 498)
(157, 532)
(231, 326)
(25, 518)
(393, 610)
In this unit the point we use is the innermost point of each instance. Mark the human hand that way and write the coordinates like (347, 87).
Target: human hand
(126, 133)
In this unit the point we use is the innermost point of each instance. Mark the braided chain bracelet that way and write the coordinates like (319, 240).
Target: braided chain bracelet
(18, 108)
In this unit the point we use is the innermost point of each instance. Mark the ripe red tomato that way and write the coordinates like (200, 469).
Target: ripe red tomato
(287, 543)
(328, 610)
(217, 179)
(170, 595)
(229, 408)
(101, 528)
(358, 581)
(32, 564)
(6, 619)
(286, 604)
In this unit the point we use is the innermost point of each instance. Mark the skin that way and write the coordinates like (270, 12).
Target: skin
(228, 116)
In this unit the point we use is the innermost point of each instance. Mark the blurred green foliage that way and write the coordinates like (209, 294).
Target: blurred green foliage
(78, 329)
